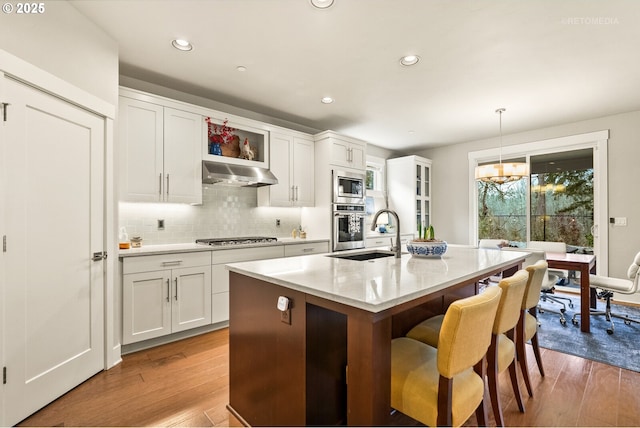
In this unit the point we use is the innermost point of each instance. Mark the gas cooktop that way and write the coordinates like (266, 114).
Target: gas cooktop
(244, 240)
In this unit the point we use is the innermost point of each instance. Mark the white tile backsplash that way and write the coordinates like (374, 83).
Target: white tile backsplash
(225, 212)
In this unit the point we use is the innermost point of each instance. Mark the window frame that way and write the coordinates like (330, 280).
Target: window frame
(597, 141)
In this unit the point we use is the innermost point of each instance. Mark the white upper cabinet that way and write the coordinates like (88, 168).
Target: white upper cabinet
(348, 154)
(409, 190)
(292, 162)
(160, 148)
(344, 152)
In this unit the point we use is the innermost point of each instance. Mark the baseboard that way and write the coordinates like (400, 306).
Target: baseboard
(163, 340)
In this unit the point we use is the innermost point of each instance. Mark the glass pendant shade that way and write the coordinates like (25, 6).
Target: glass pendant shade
(500, 172)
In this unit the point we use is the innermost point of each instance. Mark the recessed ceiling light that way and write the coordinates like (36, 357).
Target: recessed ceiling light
(326, 100)
(409, 60)
(241, 68)
(322, 4)
(182, 45)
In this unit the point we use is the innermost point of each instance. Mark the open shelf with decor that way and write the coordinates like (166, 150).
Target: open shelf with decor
(235, 143)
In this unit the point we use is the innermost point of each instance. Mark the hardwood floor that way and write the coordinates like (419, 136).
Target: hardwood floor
(186, 383)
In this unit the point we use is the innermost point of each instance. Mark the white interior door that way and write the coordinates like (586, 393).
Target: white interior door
(54, 214)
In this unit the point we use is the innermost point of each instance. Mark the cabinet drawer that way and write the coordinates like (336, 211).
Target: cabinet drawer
(305, 249)
(165, 261)
(379, 241)
(246, 254)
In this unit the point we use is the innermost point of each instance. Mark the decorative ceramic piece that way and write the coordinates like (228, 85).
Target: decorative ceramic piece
(427, 248)
(215, 149)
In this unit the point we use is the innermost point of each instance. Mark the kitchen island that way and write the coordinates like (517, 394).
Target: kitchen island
(325, 358)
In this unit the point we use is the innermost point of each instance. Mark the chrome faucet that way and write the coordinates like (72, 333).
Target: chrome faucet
(398, 247)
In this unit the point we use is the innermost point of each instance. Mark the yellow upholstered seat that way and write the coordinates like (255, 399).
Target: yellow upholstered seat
(442, 386)
(502, 351)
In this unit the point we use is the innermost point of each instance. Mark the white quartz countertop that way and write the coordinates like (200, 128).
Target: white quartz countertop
(377, 284)
(146, 250)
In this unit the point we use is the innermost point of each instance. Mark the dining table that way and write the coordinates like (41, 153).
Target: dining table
(585, 264)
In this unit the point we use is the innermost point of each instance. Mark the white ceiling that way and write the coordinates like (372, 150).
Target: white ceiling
(548, 62)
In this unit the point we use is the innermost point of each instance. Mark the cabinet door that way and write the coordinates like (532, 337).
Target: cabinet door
(340, 153)
(358, 156)
(280, 195)
(220, 294)
(303, 172)
(146, 300)
(141, 152)
(191, 299)
(182, 156)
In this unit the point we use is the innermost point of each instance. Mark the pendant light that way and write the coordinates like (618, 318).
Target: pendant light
(501, 173)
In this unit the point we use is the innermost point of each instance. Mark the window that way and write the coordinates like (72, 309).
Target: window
(563, 200)
(374, 178)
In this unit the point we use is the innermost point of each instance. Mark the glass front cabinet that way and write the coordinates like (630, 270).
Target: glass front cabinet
(409, 179)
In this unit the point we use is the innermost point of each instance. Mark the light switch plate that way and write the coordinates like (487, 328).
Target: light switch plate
(619, 221)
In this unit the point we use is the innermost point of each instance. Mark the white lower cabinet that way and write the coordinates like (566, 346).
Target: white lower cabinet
(165, 294)
(169, 293)
(220, 274)
(304, 249)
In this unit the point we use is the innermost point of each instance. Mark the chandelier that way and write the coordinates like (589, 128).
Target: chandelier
(500, 172)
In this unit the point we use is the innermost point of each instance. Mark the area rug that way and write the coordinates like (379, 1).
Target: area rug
(621, 349)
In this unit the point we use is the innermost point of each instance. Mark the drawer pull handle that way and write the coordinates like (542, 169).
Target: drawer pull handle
(172, 263)
(306, 250)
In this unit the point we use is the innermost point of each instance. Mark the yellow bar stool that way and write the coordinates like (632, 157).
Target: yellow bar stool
(502, 350)
(527, 329)
(445, 386)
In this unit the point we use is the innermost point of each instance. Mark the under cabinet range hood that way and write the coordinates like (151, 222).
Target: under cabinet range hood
(236, 175)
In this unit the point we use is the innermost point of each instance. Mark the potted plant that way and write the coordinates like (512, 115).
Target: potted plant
(426, 245)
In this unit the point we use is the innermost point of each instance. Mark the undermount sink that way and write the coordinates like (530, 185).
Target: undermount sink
(369, 255)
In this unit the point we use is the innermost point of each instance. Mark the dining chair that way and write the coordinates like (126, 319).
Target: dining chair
(527, 328)
(502, 350)
(609, 285)
(548, 285)
(492, 244)
(444, 386)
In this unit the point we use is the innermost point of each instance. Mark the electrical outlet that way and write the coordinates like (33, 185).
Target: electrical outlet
(285, 316)
(160, 224)
(277, 222)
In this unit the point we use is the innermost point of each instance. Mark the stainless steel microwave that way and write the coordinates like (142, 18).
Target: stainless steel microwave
(348, 187)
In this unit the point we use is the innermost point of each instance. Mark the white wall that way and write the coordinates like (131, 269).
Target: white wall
(65, 43)
(450, 179)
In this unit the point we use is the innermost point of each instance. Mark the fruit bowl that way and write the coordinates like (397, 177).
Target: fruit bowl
(427, 248)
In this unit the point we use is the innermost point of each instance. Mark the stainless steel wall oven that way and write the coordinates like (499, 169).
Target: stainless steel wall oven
(349, 210)
(348, 226)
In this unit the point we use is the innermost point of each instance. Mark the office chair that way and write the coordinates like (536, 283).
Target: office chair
(610, 285)
(547, 291)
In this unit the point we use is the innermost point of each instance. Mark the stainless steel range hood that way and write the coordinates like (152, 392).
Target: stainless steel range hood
(236, 175)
